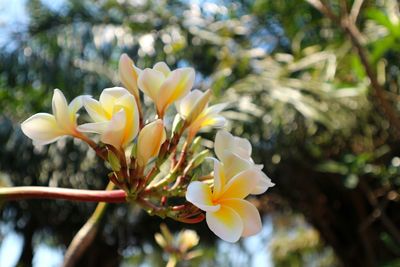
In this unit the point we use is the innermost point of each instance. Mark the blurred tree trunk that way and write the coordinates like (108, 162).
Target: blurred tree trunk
(344, 217)
(100, 254)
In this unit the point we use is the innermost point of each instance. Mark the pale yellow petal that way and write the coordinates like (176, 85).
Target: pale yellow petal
(225, 223)
(128, 103)
(150, 81)
(162, 67)
(94, 127)
(109, 96)
(95, 110)
(241, 185)
(215, 109)
(76, 104)
(115, 132)
(128, 75)
(42, 128)
(186, 104)
(199, 194)
(187, 239)
(216, 121)
(150, 139)
(199, 106)
(234, 164)
(248, 213)
(176, 86)
(61, 111)
(219, 179)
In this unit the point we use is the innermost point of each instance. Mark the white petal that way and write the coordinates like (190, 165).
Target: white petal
(46, 142)
(162, 67)
(214, 109)
(199, 194)
(150, 81)
(242, 147)
(248, 213)
(225, 223)
(223, 141)
(234, 164)
(94, 127)
(114, 134)
(61, 111)
(76, 104)
(186, 104)
(263, 184)
(226, 141)
(42, 128)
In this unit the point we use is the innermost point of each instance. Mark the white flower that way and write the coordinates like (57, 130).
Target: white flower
(228, 215)
(235, 153)
(115, 117)
(164, 86)
(45, 128)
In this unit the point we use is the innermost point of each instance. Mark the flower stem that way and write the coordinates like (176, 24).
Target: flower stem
(42, 192)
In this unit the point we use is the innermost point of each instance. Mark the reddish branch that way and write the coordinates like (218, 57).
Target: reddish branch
(35, 192)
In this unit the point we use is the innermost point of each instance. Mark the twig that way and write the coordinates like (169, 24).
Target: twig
(351, 30)
(380, 213)
(355, 10)
(86, 234)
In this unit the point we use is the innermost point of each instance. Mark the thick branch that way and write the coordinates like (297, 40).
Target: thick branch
(42, 192)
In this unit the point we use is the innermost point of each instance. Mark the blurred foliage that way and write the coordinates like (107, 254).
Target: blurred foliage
(298, 90)
(294, 243)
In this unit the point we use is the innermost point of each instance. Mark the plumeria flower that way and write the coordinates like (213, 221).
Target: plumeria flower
(210, 117)
(194, 109)
(45, 128)
(150, 139)
(164, 86)
(235, 153)
(192, 105)
(115, 117)
(228, 215)
(178, 247)
(128, 74)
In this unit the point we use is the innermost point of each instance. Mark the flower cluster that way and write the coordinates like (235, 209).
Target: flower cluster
(157, 160)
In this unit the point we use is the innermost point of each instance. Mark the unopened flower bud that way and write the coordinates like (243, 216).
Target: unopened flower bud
(128, 75)
(150, 139)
